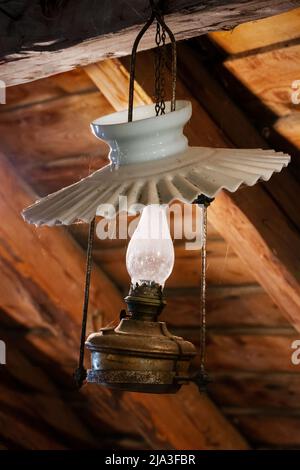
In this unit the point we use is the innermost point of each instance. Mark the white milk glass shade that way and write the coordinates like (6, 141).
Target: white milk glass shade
(150, 252)
(152, 163)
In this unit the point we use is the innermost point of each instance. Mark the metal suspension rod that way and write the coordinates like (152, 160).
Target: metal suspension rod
(133, 62)
(201, 377)
(80, 372)
(155, 14)
(203, 290)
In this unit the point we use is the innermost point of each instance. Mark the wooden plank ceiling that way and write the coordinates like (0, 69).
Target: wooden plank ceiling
(45, 136)
(40, 38)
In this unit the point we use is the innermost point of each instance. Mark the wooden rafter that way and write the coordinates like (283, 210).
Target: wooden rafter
(112, 78)
(264, 81)
(37, 41)
(257, 221)
(261, 235)
(31, 395)
(271, 32)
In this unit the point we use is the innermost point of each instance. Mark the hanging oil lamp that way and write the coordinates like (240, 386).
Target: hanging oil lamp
(152, 164)
(141, 354)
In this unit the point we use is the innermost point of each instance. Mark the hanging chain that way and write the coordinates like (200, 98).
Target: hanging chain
(80, 372)
(160, 60)
(160, 64)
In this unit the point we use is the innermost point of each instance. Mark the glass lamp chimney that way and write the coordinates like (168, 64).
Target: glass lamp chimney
(150, 252)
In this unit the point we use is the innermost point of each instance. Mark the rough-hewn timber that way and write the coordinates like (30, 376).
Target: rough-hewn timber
(38, 40)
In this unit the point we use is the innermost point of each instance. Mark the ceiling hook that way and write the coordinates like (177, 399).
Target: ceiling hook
(157, 6)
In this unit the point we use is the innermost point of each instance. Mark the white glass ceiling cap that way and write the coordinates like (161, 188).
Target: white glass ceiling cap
(151, 163)
(148, 137)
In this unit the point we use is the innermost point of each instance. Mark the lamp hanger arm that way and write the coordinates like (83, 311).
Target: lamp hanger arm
(156, 14)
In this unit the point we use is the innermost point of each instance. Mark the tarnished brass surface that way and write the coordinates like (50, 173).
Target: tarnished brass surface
(140, 354)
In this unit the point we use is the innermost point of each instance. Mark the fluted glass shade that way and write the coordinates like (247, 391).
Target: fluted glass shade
(152, 163)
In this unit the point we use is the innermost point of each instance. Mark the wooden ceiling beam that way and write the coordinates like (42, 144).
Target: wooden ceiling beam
(270, 431)
(112, 78)
(36, 400)
(229, 306)
(264, 233)
(23, 436)
(260, 70)
(38, 41)
(265, 389)
(225, 267)
(267, 33)
(264, 238)
(49, 266)
(29, 390)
